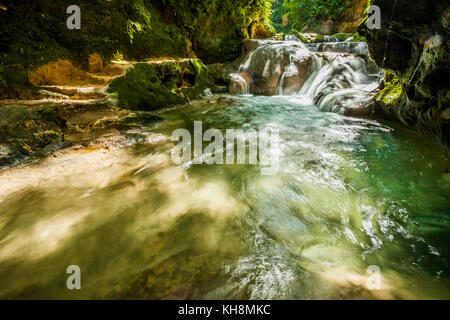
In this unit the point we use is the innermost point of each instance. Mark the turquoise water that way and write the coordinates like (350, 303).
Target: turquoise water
(350, 193)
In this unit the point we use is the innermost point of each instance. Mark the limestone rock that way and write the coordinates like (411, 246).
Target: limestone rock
(273, 65)
(239, 83)
(60, 72)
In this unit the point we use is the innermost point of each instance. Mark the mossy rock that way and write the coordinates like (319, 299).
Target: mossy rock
(25, 131)
(142, 89)
(345, 36)
(393, 90)
(155, 85)
(140, 119)
(279, 36)
(309, 37)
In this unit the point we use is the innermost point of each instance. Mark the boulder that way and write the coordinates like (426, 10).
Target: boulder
(272, 65)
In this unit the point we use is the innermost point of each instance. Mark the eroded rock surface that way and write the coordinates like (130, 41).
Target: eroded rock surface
(273, 67)
(414, 48)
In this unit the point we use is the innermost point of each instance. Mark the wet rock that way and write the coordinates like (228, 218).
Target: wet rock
(18, 93)
(239, 83)
(292, 78)
(359, 48)
(36, 130)
(218, 76)
(272, 65)
(291, 37)
(340, 83)
(26, 130)
(87, 95)
(228, 100)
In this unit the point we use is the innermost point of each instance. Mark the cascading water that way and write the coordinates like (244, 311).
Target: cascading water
(335, 76)
(359, 48)
(339, 82)
(271, 68)
(330, 39)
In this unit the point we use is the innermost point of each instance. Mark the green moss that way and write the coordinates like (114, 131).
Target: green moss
(310, 37)
(319, 38)
(345, 36)
(141, 119)
(142, 89)
(279, 36)
(197, 66)
(151, 86)
(393, 90)
(302, 37)
(218, 74)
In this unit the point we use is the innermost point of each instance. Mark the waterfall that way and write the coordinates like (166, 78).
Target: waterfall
(339, 82)
(271, 67)
(280, 86)
(330, 39)
(336, 76)
(359, 48)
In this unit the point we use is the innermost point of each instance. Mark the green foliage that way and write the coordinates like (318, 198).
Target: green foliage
(217, 27)
(34, 33)
(307, 12)
(117, 56)
(278, 10)
(309, 37)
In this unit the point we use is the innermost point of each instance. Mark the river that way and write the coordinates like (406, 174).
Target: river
(350, 194)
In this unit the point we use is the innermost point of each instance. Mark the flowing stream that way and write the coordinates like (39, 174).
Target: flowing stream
(350, 193)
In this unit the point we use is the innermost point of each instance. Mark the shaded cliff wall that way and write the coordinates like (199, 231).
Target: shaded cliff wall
(412, 46)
